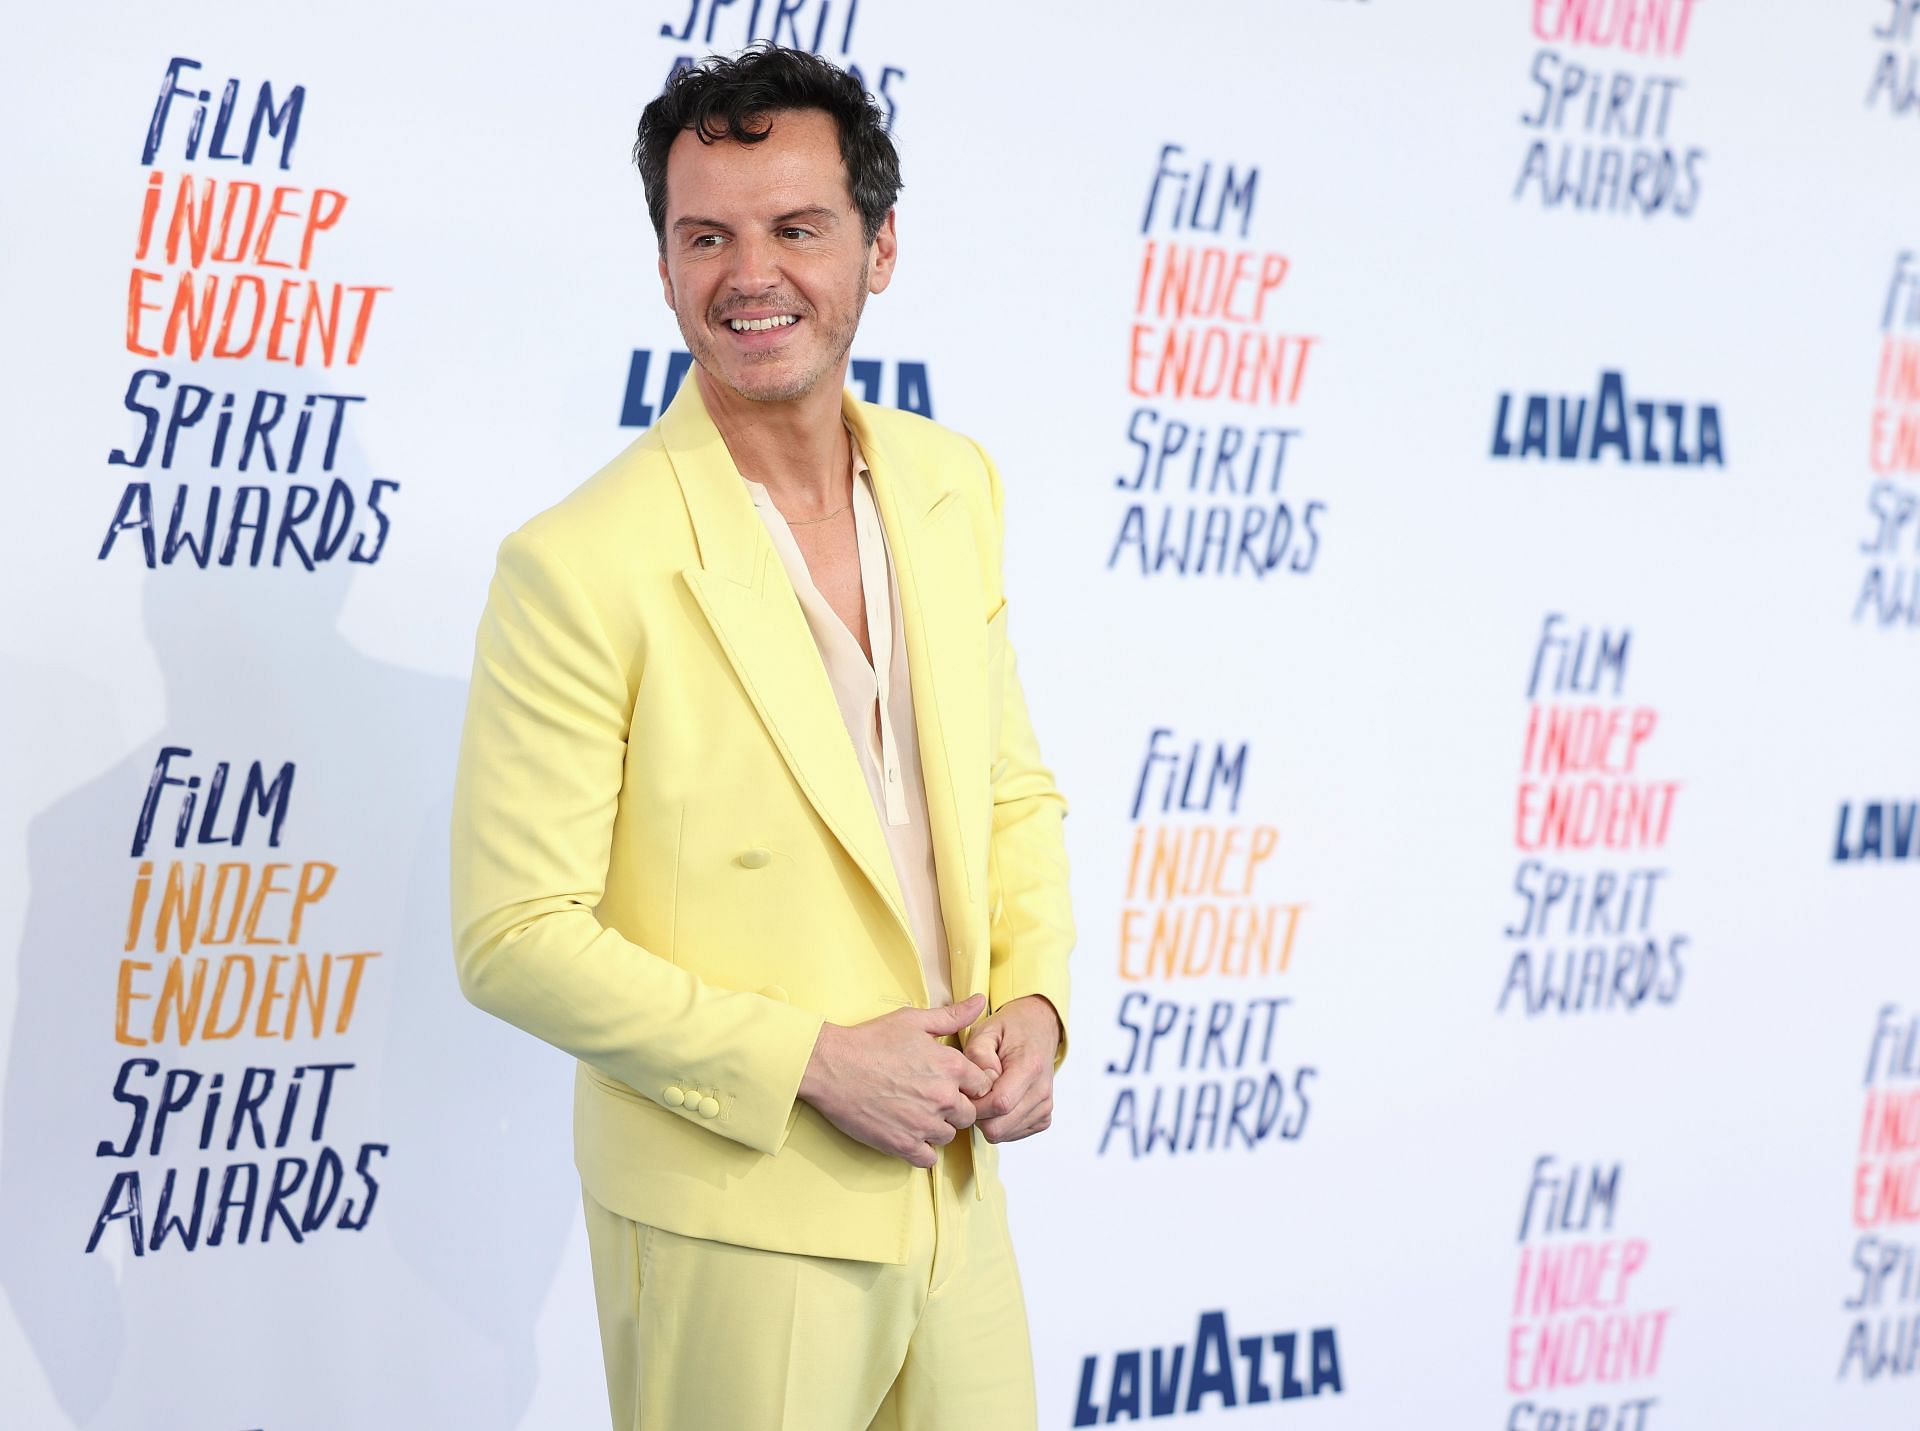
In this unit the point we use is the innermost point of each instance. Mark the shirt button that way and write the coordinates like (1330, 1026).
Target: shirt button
(673, 1097)
(709, 1107)
(754, 858)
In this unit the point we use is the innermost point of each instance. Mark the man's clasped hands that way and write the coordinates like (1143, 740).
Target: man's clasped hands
(894, 1084)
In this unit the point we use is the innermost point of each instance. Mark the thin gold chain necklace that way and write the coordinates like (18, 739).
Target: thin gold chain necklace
(809, 521)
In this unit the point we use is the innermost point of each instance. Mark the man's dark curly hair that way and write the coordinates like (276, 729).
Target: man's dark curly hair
(722, 98)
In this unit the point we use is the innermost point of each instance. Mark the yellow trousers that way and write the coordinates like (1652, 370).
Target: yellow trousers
(709, 1336)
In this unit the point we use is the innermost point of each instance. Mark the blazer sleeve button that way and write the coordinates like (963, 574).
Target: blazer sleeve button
(673, 1097)
(754, 858)
(709, 1107)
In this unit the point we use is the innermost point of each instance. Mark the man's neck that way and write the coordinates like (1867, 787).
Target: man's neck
(798, 450)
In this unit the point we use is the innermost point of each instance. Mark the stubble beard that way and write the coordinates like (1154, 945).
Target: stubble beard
(838, 342)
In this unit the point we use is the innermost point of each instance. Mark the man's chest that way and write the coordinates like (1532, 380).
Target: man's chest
(832, 556)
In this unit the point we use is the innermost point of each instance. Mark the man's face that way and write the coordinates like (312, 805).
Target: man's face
(766, 235)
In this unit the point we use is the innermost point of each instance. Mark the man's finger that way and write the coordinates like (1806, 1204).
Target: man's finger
(1032, 1111)
(974, 1081)
(1021, 1123)
(1010, 1089)
(984, 1047)
(984, 1055)
(954, 1017)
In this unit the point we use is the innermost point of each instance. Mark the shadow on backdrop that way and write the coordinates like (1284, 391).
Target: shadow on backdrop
(425, 1316)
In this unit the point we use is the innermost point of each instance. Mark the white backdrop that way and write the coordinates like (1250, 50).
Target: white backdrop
(1389, 617)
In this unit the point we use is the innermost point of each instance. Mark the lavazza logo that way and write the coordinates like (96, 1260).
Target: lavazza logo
(1630, 427)
(1215, 1370)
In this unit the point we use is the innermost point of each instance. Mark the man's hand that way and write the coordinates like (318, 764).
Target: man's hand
(891, 1084)
(1016, 1044)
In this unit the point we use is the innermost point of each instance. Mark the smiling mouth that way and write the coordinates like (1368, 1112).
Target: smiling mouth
(762, 325)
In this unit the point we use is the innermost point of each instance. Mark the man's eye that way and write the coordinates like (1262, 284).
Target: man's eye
(700, 240)
(796, 232)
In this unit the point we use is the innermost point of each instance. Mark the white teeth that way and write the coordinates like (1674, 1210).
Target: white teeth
(760, 325)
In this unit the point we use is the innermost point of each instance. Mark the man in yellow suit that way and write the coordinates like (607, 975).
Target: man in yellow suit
(750, 819)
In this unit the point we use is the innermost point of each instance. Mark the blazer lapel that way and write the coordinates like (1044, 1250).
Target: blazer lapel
(742, 589)
(944, 606)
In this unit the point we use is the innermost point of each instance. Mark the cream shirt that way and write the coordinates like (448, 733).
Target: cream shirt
(876, 701)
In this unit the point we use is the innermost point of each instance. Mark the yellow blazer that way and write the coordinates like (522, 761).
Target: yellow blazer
(665, 857)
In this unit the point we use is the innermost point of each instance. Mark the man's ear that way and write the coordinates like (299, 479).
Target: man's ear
(666, 283)
(882, 255)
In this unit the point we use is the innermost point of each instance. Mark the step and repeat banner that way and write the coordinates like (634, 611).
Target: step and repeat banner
(1463, 490)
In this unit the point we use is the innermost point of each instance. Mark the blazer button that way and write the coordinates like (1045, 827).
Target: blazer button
(754, 858)
(709, 1107)
(673, 1097)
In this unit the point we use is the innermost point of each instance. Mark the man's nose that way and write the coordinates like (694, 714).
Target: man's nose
(756, 264)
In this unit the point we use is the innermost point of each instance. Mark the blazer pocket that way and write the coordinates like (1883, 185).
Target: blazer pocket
(947, 500)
